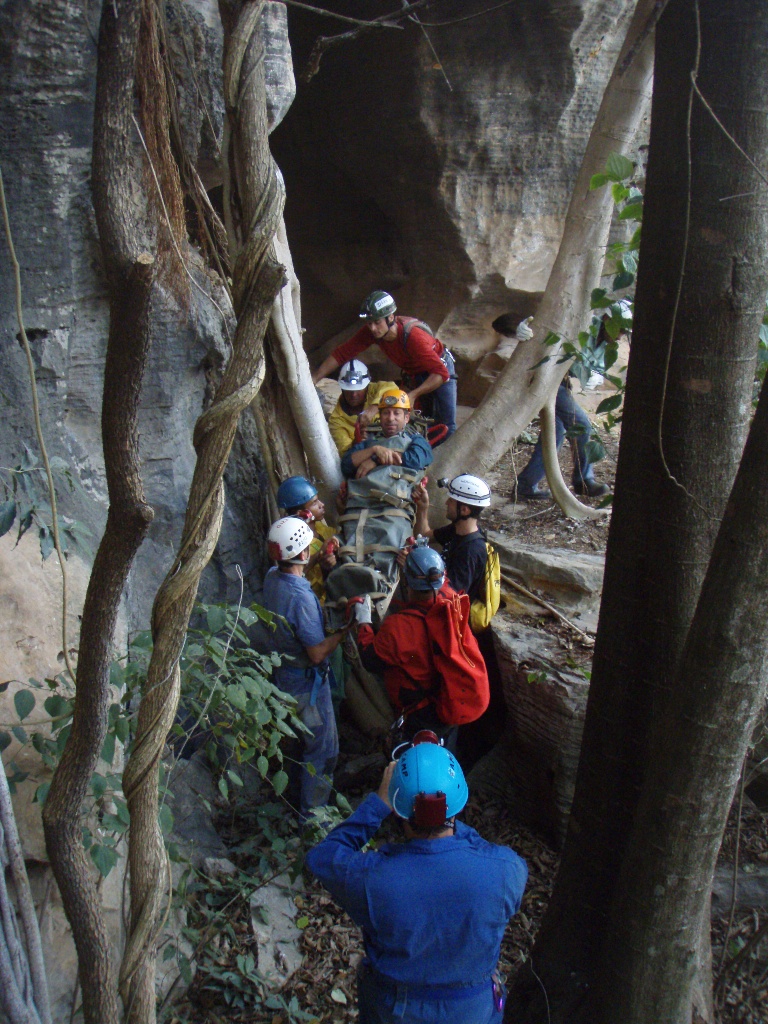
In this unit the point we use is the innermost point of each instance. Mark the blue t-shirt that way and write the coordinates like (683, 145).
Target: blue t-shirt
(292, 597)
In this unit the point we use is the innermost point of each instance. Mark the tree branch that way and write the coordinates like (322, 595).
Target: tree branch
(130, 269)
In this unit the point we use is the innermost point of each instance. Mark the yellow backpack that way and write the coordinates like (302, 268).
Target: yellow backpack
(483, 608)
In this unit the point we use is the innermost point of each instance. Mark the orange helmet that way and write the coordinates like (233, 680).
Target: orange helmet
(395, 399)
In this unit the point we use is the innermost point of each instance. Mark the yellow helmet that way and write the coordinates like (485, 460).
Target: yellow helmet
(395, 399)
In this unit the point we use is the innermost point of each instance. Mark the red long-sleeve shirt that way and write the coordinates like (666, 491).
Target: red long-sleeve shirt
(421, 355)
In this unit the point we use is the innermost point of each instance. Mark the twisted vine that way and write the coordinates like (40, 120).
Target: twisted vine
(257, 197)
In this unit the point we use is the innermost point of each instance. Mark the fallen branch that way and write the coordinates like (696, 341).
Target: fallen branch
(585, 637)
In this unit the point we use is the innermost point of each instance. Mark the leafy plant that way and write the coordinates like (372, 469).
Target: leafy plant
(228, 703)
(26, 503)
(596, 349)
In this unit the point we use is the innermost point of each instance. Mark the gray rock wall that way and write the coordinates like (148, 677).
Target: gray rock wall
(453, 196)
(47, 84)
(48, 55)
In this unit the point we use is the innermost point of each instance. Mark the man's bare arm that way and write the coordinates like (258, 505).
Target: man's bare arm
(328, 365)
(432, 383)
(421, 525)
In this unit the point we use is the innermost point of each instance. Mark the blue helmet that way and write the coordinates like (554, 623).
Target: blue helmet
(428, 786)
(424, 568)
(295, 492)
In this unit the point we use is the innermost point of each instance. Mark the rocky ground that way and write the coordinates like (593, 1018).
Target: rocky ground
(324, 986)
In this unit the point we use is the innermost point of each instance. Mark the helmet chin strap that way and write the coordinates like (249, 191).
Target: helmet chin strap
(460, 519)
(298, 560)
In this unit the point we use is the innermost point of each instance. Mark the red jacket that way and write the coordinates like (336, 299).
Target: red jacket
(403, 647)
(421, 355)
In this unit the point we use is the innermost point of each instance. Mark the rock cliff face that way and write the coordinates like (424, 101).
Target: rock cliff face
(445, 181)
(48, 56)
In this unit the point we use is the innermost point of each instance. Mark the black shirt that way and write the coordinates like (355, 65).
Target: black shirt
(465, 557)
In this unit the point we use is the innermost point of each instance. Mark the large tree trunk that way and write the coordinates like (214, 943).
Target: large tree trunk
(520, 392)
(257, 199)
(119, 206)
(700, 297)
(695, 758)
(296, 379)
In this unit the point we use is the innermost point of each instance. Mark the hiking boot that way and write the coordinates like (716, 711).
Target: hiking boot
(590, 488)
(536, 494)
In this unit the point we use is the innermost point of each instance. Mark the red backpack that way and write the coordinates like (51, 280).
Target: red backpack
(461, 693)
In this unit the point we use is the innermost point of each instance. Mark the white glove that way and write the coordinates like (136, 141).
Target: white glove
(362, 611)
(524, 332)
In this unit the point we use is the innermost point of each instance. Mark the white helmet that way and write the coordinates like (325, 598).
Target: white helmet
(287, 539)
(470, 490)
(354, 376)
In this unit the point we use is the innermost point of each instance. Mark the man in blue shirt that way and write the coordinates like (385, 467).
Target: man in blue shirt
(304, 648)
(434, 908)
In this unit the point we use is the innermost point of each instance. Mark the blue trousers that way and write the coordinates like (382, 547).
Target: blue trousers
(440, 405)
(570, 418)
(390, 1004)
(320, 749)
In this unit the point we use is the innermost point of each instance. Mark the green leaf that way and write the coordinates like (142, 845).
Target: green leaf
(112, 823)
(594, 450)
(618, 167)
(338, 996)
(216, 618)
(168, 953)
(619, 192)
(632, 211)
(19, 733)
(598, 300)
(609, 404)
(5, 740)
(46, 541)
(122, 729)
(342, 803)
(623, 280)
(234, 778)
(598, 180)
(223, 788)
(108, 750)
(57, 706)
(61, 739)
(41, 793)
(165, 819)
(551, 339)
(7, 516)
(302, 923)
(237, 696)
(540, 363)
(248, 616)
(98, 785)
(262, 764)
(104, 857)
(24, 702)
(25, 521)
(279, 782)
(185, 969)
